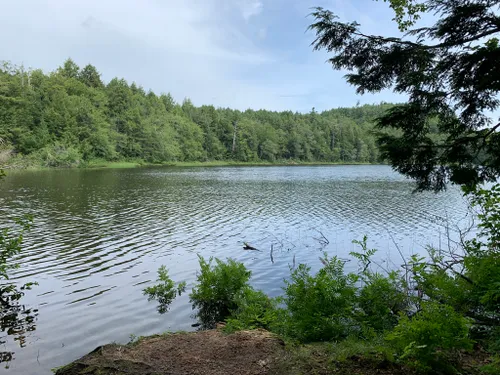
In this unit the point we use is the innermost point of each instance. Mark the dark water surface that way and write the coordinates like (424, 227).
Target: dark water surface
(100, 235)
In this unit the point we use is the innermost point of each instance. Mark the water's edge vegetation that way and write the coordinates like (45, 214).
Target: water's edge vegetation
(70, 117)
(103, 164)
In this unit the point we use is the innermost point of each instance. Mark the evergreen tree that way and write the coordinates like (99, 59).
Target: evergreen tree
(90, 77)
(450, 73)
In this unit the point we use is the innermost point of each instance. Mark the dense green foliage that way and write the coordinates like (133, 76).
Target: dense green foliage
(254, 309)
(428, 338)
(218, 289)
(320, 307)
(449, 70)
(69, 117)
(333, 305)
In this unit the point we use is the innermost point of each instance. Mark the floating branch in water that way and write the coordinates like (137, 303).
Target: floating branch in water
(247, 246)
(323, 240)
(271, 254)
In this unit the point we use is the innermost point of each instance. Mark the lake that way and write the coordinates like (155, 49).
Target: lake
(99, 237)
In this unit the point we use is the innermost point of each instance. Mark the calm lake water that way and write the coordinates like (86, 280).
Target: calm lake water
(100, 235)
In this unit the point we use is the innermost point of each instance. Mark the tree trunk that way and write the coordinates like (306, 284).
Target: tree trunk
(235, 126)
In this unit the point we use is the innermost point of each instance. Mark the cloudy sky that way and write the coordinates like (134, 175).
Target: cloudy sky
(229, 53)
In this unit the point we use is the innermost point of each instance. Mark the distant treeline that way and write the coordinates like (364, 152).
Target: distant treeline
(70, 116)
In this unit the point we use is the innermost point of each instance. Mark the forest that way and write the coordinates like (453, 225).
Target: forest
(70, 117)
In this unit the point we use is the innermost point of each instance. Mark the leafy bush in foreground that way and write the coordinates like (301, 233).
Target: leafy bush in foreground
(217, 290)
(425, 339)
(320, 307)
(382, 297)
(254, 310)
(380, 301)
(165, 291)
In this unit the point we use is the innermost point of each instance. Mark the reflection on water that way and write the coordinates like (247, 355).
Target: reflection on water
(15, 319)
(100, 236)
(16, 322)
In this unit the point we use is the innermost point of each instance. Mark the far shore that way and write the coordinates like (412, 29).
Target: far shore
(102, 164)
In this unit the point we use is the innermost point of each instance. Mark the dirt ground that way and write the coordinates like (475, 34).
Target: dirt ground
(255, 352)
(199, 353)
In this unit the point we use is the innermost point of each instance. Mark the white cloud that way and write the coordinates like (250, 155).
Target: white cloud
(200, 49)
(169, 45)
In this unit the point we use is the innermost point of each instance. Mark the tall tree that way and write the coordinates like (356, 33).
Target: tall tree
(449, 71)
(90, 76)
(69, 69)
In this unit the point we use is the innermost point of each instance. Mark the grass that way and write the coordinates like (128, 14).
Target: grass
(211, 163)
(352, 356)
(372, 357)
(215, 163)
(111, 164)
(20, 163)
(353, 347)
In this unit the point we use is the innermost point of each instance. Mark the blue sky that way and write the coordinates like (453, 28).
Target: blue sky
(229, 53)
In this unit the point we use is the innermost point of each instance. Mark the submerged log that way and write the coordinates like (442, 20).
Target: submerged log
(247, 246)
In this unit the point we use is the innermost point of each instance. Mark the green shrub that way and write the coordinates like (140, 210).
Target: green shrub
(456, 296)
(375, 348)
(165, 291)
(481, 265)
(254, 310)
(483, 271)
(493, 334)
(320, 307)
(380, 301)
(469, 279)
(58, 155)
(427, 339)
(492, 368)
(217, 290)
(435, 282)
(382, 297)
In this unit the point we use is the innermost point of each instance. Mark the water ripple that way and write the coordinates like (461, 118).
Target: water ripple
(99, 237)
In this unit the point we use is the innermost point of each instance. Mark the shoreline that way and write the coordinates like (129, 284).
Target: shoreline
(247, 352)
(179, 164)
